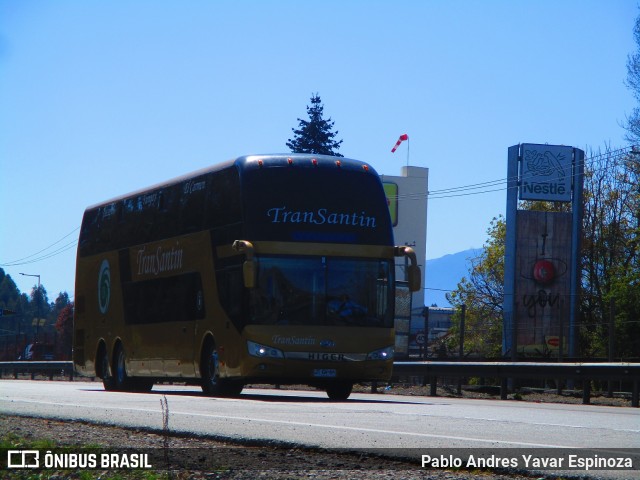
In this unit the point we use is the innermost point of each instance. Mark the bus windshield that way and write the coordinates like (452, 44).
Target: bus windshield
(322, 291)
(315, 205)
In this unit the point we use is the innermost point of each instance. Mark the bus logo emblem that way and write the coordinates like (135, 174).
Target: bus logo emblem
(327, 343)
(104, 286)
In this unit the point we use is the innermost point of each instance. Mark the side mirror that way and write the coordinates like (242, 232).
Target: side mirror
(415, 278)
(249, 271)
(414, 275)
(249, 267)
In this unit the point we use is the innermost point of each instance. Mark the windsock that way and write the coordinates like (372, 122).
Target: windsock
(402, 138)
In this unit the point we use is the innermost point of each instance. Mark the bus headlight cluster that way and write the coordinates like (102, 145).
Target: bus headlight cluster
(262, 351)
(382, 354)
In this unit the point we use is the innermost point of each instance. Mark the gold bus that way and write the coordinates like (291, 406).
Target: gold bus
(268, 269)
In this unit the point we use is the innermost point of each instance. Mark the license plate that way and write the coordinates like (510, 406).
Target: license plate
(324, 372)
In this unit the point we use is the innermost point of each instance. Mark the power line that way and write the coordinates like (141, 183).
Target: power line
(30, 258)
(483, 187)
(461, 191)
(54, 253)
(437, 194)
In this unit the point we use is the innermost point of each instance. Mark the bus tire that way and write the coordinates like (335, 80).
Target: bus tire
(339, 391)
(212, 384)
(104, 370)
(122, 381)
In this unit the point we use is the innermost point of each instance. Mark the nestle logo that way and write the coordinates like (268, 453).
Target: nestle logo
(547, 188)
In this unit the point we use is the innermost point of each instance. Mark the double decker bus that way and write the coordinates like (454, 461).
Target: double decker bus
(275, 269)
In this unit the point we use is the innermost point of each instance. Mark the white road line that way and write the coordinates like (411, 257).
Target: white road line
(304, 424)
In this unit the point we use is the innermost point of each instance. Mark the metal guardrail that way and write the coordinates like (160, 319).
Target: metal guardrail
(45, 367)
(585, 372)
(628, 372)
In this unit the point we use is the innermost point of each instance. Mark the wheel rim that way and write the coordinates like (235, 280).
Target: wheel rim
(214, 368)
(106, 371)
(120, 368)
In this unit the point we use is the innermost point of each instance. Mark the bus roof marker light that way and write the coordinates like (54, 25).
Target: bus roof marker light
(338, 163)
(290, 161)
(365, 168)
(314, 161)
(260, 163)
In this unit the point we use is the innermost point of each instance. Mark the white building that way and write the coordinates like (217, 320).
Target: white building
(408, 205)
(407, 197)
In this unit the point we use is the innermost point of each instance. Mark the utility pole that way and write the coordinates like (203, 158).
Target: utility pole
(612, 341)
(463, 312)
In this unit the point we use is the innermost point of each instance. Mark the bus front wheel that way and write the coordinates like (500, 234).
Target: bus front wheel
(339, 391)
(122, 381)
(212, 384)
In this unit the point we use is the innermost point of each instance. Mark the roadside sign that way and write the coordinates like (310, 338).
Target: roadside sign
(553, 341)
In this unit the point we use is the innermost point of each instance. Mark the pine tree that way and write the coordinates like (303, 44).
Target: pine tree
(315, 135)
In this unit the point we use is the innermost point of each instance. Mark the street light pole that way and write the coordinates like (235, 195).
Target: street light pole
(32, 275)
(35, 337)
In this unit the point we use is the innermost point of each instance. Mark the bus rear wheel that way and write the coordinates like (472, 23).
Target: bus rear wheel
(108, 380)
(212, 384)
(339, 391)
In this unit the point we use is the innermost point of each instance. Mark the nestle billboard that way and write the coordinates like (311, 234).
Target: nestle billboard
(546, 172)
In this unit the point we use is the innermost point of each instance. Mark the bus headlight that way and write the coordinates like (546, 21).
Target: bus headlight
(382, 354)
(262, 351)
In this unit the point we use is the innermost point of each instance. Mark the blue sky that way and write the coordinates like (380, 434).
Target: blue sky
(101, 98)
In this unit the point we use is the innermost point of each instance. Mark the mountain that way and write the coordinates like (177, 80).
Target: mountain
(445, 273)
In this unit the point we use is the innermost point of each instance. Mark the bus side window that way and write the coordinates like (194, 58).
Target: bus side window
(223, 203)
(231, 292)
(167, 213)
(105, 223)
(192, 205)
(87, 238)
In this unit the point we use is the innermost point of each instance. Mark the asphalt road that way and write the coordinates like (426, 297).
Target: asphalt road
(308, 418)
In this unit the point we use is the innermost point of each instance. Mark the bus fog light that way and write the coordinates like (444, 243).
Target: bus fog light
(263, 351)
(382, 354)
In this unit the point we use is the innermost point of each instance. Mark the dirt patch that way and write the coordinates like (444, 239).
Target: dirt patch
(197, 458)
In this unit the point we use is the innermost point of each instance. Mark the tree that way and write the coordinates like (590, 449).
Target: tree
(10, 299)
(611, 254)
(315, 135)
(56, 307)
(39, 302)
(38, 310)
(9, 293)
(483, 295)
(64, 327)
(633, 83)
(610, 263)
